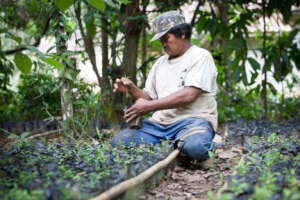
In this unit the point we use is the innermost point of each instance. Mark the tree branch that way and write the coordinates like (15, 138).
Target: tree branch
(195, 13)
(88, 43)
(38, 41)
(212, 11)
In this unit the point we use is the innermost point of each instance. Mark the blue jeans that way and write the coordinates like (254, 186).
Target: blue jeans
(193, 136)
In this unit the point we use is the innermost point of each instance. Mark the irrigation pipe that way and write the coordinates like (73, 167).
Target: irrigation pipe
(125, 185)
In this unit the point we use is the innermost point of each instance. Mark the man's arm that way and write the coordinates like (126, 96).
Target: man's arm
(178, 99)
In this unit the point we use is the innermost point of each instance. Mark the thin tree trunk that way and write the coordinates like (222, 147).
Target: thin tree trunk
(105, 83)
(132, 32)
(264, 83)
(114, 48)
(223, 9)
(65, 90)
(88, 43)
(200, 2)
(144, 54)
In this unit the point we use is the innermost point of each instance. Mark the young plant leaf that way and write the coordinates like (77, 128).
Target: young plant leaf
(23, 62)
(236, 74)
(24, 135)
(91, 28)
(16, 38)
(63, 5)
(255, 65)
(99, 4)
(54, 63)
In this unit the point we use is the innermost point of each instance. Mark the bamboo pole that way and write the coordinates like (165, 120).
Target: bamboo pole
(125, 185)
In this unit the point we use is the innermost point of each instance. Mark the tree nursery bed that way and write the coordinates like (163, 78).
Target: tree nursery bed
(271, 165)
(257, 160)
(61, 170)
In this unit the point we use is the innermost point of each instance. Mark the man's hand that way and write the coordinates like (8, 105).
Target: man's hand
(138, 109)
(123, 85)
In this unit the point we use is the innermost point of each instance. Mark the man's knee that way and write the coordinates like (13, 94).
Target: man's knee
(132, 137)
(126, 137)
(196, 147)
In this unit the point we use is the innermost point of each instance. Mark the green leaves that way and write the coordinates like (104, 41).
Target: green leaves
(236, 44)
(63, 5)
(48, 60)
(54, 63)
(91, 28)
(23, 62)
(99, 4)
(255, 65)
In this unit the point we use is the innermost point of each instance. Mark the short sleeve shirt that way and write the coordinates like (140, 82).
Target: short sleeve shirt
(194, 68)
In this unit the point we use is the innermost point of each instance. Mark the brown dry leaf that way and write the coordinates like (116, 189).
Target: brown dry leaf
(219, 151)
(238, 150)
(174, 186)
(210, 174)
(227, 155)
(218, 139)
(178, 169)
(177, 198)
(161, 196)
(194, 178)
(188, 195)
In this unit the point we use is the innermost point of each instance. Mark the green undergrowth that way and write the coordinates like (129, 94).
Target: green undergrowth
(248, 104)
(270, 170)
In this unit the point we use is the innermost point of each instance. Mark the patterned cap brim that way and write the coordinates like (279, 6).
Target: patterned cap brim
(159, 35)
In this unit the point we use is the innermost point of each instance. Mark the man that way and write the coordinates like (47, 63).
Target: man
(180, 90)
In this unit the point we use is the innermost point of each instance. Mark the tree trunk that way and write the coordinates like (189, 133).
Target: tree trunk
(144, 54)
(88, 43)
(105, 83)
(265, 81)
(223, 10)
(132, 32)
(65, 90)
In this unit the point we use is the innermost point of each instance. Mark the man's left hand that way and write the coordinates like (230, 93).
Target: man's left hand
(139, 108)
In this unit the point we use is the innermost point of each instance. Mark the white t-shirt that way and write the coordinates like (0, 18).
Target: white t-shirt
(194, 68)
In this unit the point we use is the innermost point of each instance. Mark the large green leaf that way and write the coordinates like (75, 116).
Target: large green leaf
(63, 5)
(244, 76)
(99, 4)
(237, 74)
(54, 63)
(90, 26)
(23, 62)
(235, 44)
(255, 65)
(16, 38)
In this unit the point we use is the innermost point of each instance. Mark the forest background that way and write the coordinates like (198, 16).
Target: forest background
(257, 63)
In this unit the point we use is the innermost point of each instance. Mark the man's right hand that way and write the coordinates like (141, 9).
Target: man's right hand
(123, 85)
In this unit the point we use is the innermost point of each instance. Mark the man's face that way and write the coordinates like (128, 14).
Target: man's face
(172, 44)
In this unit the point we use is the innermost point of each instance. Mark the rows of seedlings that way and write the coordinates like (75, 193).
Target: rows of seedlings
(65, 170)
(271, 166)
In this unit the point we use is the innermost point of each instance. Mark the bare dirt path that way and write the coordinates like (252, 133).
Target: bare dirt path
(190, 181)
